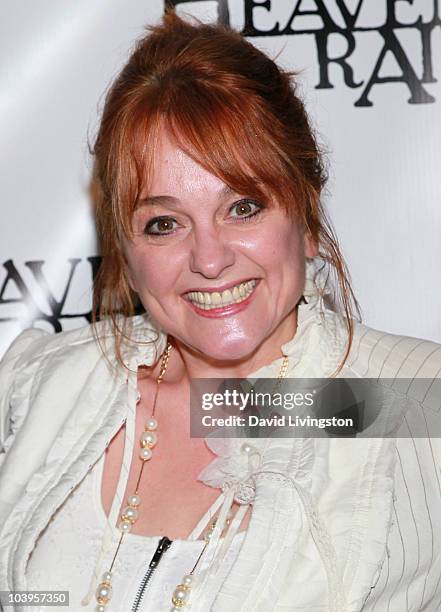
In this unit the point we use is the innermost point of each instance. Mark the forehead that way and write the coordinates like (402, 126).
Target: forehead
(176, 174)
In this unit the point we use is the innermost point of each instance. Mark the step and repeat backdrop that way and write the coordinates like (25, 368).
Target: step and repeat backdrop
(370, 72)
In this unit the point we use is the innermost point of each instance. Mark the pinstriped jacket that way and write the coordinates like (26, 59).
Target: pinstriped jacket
(336, 524)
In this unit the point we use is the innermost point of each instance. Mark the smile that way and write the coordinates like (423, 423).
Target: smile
(211, 300)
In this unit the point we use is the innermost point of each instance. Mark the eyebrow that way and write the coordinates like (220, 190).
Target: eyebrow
(223, 193)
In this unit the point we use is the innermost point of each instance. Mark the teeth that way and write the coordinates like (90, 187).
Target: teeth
(215, 298)
(227, 297)
(208, 300)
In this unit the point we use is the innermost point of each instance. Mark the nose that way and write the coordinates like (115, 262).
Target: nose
(211, 253)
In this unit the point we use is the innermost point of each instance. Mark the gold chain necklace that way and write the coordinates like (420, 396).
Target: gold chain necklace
(130, 513)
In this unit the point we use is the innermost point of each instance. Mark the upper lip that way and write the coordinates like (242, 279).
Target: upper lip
(222, 287)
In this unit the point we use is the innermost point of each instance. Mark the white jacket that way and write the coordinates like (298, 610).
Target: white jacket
(336, 524)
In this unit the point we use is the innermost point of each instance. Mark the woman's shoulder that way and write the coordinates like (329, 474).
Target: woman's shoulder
(375, 353)
(34, 346)
(38, 360)
(39, 368)
(35, 343)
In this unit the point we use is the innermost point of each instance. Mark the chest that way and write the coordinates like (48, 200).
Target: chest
(173, 499)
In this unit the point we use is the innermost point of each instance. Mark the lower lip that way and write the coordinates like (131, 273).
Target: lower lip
(224, 311)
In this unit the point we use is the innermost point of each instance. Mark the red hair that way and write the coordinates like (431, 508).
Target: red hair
(234, 112)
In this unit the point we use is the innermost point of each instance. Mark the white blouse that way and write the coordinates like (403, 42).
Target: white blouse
(338, 525)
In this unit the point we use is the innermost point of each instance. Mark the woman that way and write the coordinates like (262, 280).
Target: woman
(210, 214)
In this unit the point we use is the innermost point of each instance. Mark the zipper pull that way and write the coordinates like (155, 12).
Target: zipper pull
(163, 546)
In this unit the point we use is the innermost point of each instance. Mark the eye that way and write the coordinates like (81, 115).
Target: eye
(245, 209)
(160, 226)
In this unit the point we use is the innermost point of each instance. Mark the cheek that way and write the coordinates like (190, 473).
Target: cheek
(285, 268)
(139, 273)
(282, 248)
(152, 272)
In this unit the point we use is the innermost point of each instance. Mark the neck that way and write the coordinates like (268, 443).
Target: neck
(188, 363)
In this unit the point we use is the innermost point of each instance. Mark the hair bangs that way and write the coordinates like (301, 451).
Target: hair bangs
(227, 135)
(138, 136)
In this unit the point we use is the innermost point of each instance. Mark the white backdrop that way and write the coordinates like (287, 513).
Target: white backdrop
(57, 59)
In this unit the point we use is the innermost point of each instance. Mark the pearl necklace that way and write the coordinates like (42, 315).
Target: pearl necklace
(129, 514)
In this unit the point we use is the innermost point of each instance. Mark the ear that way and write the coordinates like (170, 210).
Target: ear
(310, 246)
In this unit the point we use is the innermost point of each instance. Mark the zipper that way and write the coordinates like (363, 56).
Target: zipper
(163, 546)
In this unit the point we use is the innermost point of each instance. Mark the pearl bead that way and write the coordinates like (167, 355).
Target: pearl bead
(151, 424)
(148, 438)
(124, 526)
(180, 592)
(107, 576)
(129, 514)
(178, 603)
(100, 608)
(247, 449)
(103, 593)
(187, 580)
(134, 500)
(145, 453)
(103, 590)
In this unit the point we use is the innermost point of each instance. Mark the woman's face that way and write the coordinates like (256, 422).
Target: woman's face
(220, 272)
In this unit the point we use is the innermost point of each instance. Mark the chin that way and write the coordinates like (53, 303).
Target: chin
(229, 351)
